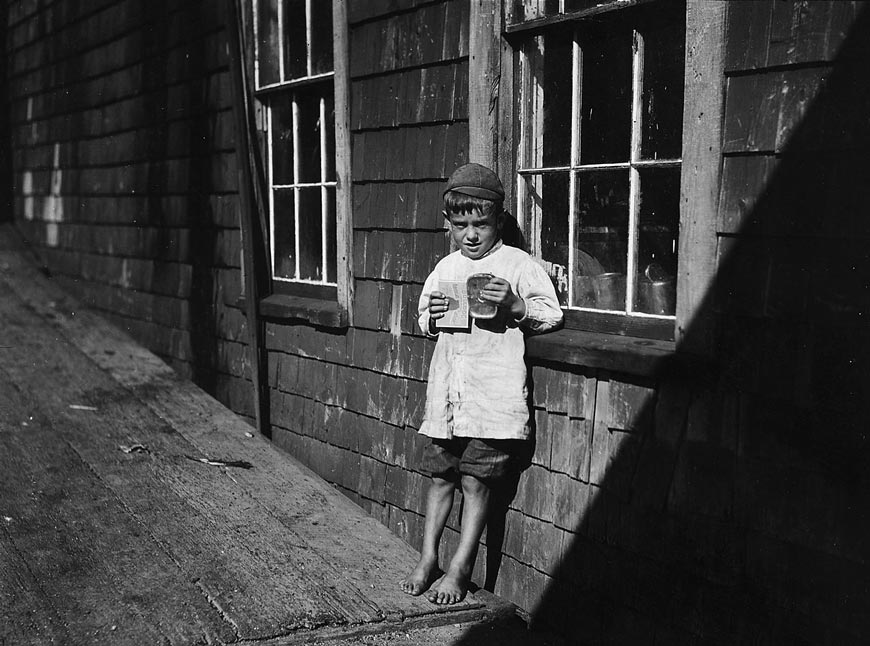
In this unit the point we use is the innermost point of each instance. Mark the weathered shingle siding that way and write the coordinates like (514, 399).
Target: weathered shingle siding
(125, 170)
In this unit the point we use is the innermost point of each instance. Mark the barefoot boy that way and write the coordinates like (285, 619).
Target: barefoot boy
(476, 410)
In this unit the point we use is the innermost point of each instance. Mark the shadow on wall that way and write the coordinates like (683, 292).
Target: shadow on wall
(179, 148)
(512, 234)
(738, 514)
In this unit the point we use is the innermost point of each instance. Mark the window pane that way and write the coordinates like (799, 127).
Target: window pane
(330, 137)
(308, 131)
(548, 97)
(577, 5)
(601, 240)
(557, 99)
(531, 9)
(554, 229)
(605, 126)
(282, 140)
(310, 234)
(321, 36)
(664, 45)
(267, 41)
(295, 44)
(284, 234)
(546, 199)
(657, 240)
(331, 260)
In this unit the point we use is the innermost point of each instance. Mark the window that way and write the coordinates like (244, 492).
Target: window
(301, 84)
(598, 125)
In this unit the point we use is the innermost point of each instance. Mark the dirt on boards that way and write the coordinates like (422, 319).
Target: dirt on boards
(136, 509)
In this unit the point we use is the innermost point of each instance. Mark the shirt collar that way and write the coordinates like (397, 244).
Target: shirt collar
(494, 248)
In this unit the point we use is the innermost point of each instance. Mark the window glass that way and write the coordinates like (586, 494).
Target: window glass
(605, 99)
(284, 233)
(308, 128)
(531, 9)
(311, 231)
(556, 77)
(331, 237)
(550, 90)
(295, 40)
(546, 197)
(601, 239)
(329, 129)
(525, 10)
(657, 240)
(321, 37)
(662, 118)
(282, 140)
(267, 42)
(578, 5)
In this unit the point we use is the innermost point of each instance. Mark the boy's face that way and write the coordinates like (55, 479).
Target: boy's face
(474, 233)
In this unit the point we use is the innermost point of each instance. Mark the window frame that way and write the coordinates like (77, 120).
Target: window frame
(531, 171)
(317, 302)
(494, 55)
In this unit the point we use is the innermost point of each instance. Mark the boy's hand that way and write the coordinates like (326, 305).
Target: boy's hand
(499, 291)
(437, 305)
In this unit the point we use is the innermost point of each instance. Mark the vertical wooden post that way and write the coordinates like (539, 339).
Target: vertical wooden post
(484, 42)
(6, 182)
(344, 189)
(701, 172)
(252, 215)
(490, 102)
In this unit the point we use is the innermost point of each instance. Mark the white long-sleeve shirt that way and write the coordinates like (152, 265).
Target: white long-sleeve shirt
(477, 378)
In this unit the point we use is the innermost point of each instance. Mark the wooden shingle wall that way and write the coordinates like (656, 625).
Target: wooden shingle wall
(125, 170)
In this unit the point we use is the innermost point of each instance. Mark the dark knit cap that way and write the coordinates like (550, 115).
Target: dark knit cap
(477, 181)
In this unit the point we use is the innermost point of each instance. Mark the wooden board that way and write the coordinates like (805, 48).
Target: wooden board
(108, 582)
(194, 510)
(700, 177)
(271, 550)
(27, 615)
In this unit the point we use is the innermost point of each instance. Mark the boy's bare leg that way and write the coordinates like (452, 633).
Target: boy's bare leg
(452, 587)
(439, 501)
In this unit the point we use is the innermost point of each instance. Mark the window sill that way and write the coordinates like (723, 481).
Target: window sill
(628, 355)
(283, 307)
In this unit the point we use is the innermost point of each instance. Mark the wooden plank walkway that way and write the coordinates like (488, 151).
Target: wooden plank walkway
(112, 529)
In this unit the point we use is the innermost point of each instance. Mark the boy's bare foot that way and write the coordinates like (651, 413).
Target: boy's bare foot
(421, 578)
(449, 589)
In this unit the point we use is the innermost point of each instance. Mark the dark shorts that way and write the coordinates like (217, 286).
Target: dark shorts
(483, 459)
